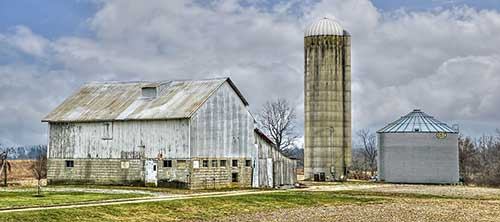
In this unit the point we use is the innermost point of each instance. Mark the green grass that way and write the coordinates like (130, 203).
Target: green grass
(200, 208)
(153, 189)
(23, 198)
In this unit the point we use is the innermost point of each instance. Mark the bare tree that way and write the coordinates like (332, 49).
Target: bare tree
(479, 160)
(277, 119)
(39, 170)
(468, 161)
(368, 149)
(5, 165)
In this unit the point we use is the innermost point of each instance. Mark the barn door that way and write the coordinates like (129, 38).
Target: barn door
(151, 172)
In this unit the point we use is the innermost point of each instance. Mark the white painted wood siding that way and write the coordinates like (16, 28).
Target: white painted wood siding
(222, 127)
(149, 138)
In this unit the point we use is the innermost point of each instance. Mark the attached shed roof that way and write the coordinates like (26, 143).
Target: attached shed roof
(417, 122)
(107, 101)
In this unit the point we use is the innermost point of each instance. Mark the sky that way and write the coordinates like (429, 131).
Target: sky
(442, 56)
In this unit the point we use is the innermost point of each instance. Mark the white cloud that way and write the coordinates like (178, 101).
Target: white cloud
(443, 61)
(27, 42)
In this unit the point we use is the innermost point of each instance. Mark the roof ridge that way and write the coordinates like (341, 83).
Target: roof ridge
(153, 81)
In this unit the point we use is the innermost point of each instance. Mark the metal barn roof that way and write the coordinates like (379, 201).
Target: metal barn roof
(324, 26)
(108, 101)
(417, 122)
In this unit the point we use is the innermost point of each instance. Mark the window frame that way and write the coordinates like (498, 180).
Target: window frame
(167, 163)
(204, 163)
(233, 163)
(107, 131)
(235, 179)
(70, 163)
(222, 163)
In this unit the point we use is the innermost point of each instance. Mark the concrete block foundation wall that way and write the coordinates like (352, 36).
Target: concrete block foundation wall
(220, 176)
(180, 174)
(95, 171)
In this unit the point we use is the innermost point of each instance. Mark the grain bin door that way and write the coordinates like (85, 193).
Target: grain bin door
(151, 172)
(270, 173)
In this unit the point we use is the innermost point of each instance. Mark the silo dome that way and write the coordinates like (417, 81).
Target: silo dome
(324, 26)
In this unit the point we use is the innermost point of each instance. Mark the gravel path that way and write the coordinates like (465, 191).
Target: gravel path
(485, 206)
(453, 191)
(403, 210)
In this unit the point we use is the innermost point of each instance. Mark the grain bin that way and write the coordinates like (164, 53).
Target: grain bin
(417, 148)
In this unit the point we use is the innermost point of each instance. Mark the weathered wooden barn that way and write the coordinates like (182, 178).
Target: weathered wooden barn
(193, 133)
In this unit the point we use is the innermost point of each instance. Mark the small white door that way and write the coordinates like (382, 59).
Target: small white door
(151, 172)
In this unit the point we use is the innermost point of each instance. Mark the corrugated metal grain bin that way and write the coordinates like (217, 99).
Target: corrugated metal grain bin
(417, 148)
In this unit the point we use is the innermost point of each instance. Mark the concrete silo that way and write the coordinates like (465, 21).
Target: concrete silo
(417, 148)
(327, 91)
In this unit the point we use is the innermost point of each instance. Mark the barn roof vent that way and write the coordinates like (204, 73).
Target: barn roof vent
(149, 92)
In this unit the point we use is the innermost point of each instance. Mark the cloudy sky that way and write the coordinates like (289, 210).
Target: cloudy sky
(442, 56)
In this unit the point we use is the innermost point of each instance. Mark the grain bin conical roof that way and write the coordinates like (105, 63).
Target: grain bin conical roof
(417, 122)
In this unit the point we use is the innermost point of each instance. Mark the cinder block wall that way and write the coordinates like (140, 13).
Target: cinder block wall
(95, 171)
(218, 177)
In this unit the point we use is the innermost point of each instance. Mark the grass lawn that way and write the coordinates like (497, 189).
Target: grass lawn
(10, 199)
(201, 208)
(153, 189)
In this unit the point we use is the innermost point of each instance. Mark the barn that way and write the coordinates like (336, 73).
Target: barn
(417, 148)
(197, 134)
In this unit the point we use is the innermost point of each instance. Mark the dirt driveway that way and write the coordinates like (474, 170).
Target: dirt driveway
(458, 203)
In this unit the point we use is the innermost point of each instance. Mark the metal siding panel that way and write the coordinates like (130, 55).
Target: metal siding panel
(224, 131)
(85, 140)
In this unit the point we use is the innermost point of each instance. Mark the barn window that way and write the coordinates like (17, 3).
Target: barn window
(234, 177)
(149, 92)
(70, 163)
(167, 163)
(107, 131)
(222, 163)
(205, 163)
(235, 163)
(214, 163)
(248, 163)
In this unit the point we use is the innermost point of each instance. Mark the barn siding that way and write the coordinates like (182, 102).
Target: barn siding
(278, 172)
(129, 140)
(222, 127)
